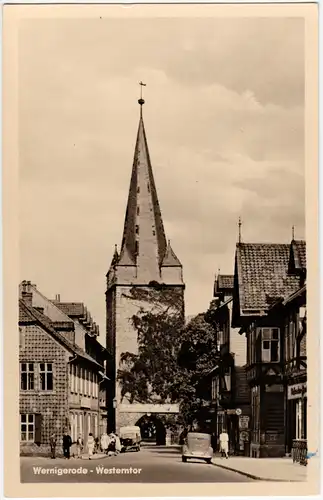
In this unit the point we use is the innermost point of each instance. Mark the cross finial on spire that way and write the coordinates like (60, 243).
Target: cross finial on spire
(141, 100)
(239, 224)
(293, 232)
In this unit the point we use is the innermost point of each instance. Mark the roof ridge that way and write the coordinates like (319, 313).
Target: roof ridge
(46, 322)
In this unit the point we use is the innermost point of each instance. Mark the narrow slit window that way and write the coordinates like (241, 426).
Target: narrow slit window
(137, 229)
(138, 210)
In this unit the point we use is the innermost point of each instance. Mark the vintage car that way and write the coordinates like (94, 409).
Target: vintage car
(198, 446)
(130, 438)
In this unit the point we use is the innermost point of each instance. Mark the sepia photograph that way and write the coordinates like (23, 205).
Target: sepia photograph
(162, 236)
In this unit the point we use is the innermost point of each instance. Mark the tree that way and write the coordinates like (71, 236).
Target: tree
(197, 356)
(147, 376)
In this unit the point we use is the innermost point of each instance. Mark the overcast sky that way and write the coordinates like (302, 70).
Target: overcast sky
(224, 117)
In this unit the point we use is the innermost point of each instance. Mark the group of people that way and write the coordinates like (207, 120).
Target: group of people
(109, 444)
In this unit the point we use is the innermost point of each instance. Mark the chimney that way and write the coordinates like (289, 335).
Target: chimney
(58, 298)
(27, 294)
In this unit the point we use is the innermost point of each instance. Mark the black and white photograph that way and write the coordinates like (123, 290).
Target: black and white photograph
(162, 236)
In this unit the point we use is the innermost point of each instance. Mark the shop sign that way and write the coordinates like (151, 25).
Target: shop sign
(244, 436)
(296, 391)
(243, 422)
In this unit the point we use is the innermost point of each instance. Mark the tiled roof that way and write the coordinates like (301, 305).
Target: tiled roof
(225, 281)
(72, 309)
(299, 250)
(28, 313)
(262, 272)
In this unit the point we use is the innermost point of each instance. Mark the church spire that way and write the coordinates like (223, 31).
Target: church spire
(144, 242)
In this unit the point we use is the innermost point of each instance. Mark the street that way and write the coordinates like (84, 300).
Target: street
(151, 465)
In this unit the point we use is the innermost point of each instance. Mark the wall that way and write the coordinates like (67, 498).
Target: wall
(38, 346)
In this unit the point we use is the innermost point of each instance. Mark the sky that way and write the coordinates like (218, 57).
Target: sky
(224, 117)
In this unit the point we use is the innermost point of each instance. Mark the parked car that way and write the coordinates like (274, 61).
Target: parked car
(130, 438)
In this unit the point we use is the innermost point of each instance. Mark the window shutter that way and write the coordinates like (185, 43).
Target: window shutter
(38, 421)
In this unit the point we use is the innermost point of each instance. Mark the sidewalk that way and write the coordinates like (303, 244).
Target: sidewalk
(264, 469)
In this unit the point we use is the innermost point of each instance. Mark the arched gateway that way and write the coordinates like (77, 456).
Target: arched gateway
(142, 275)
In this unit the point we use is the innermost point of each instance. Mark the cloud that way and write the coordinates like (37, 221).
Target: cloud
(224, 117)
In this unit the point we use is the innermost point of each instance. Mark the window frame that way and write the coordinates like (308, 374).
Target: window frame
(271, 342)
(28, 373)
(27, 423)
(46, 372)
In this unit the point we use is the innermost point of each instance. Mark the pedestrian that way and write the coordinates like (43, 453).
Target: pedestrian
(224, 443)
(52, 442)
(79, 445)
(104, 442)
(90, 445)
(118, 446)
(67, 443)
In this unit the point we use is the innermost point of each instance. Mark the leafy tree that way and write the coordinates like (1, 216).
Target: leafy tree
(148, 375)
(197, 356)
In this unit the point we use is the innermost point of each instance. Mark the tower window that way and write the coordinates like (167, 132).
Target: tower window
(138, 189)
(148, 186)
(154, 232)
(137, 229)
(138, 210)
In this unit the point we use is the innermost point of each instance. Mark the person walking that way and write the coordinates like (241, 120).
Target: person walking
(53, 442)
(224, 443)
(79, 446)
(104, 442)
(90, 445)
(67, 443)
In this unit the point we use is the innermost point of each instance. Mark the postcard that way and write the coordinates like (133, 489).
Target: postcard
(160, 243)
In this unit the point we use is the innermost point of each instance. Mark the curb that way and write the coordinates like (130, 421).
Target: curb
(257, 478)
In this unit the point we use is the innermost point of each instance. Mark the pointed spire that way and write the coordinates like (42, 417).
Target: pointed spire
(144, 241)
(115, 257)
(170, 259)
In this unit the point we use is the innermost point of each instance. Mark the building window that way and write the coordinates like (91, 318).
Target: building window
(46, 376)
(27, 376)
(137, 229)
(27, 427)
(270, 345)
(81, 380)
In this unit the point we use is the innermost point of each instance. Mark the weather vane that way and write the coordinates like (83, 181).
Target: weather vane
(141, 100)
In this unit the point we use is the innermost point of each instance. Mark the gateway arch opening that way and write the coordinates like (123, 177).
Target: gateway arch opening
(152, 430)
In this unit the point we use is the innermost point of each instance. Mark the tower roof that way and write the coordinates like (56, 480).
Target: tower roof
(144, 240)
(170, 259)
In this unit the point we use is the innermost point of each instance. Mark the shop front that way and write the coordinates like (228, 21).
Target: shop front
(297, 421)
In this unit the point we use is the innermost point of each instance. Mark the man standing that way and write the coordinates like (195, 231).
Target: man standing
(224, 443)
(67, 443)
(52, 442)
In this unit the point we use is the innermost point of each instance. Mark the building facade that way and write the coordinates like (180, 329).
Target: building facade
(59, 381)
(141, 275)
(264, 279)
(230, 394)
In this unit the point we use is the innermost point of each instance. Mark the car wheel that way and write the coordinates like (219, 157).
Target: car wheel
(184, 459)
